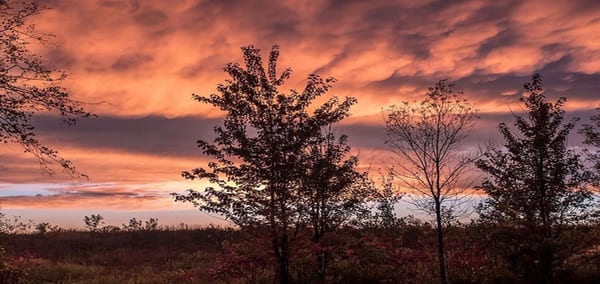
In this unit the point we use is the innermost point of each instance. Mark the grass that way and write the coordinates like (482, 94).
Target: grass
(215, 255)
(117, 257)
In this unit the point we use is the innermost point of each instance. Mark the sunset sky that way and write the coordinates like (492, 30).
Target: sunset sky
(137, 64)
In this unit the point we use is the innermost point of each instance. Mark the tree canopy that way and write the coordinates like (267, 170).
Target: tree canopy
(536, 182)
(27, 86)
(426, 139)
(263, 147)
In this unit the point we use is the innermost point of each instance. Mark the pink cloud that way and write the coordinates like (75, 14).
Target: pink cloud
(138, 62)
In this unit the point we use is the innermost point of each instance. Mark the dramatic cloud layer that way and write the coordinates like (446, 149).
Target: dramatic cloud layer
(138, 62)
(147, 57)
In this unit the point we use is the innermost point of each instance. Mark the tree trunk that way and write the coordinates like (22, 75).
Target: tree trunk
(547, 257)
(321, 258)
(440, 242)
(319, 254)
(321, 266)
(281, 250)
(319, 227)
(284, 261)
(284, 271)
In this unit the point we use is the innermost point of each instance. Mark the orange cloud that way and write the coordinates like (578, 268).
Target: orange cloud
(138, 62)
(146, 58)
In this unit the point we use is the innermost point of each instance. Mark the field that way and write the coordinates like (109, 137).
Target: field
(405, 254)
(115, 257)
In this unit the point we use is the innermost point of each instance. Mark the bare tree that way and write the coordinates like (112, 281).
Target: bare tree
(27, 86)
(427, 139)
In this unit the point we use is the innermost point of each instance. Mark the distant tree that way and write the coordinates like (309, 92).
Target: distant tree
(386, 199)
(139, 225)
(427, 139)
(536, 184)
(259, 150)
(93, 222)
(333, 190)
(134, 225)
(14, 225)
(27, 86)
(151, 224)
(45, 227)
(591, 133)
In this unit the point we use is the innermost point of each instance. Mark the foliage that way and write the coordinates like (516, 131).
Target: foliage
(136, 225)
(536, 185)
(160, 256)
(333, 192)
(247, 259)
(45, 227)
(27, 86)
(386, 200)
(93, 222)
(427, 139)
(591, 133)
(14, 224)
(476, 254)
(260, 151)
(151, 224)
(14, 270)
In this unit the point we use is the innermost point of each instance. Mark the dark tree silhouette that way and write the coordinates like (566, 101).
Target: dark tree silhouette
(333, 190)
(93, 222)
(427, 139)
(28, 87)
(260, 150)
(536, 183)
(386, 199)
(591, 133)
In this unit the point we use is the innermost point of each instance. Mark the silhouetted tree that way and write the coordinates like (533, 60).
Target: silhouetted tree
(427, 139)
(386, 199)
(385, 195)
(45, 227)
(151, 224)
(93, 222)
(260, 150)
(139, 225)
(14, 225)
(27, 86)
(134, 225)
(333, 191)
(536, 184)
(591, 133)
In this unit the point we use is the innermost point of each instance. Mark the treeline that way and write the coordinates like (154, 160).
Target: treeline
(279, 169)
(93, 223)
(373, 253)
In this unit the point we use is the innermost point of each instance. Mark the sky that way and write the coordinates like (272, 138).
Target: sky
(137, 63)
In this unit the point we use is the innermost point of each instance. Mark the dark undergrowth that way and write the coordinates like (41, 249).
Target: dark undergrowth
(405, 254)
